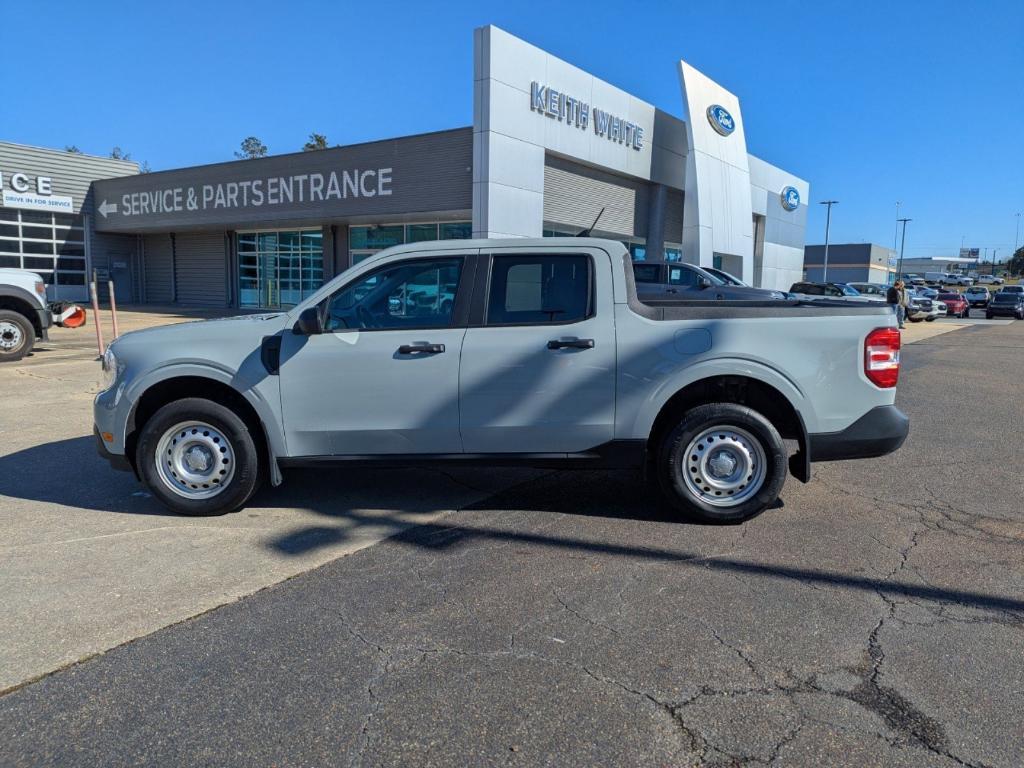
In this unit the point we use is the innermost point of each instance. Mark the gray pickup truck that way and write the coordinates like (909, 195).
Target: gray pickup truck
(534, 352)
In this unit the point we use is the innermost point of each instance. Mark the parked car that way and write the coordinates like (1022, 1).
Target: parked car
(1006, 304)
(870, 289)
(961, 279)
(921, 309)
(938, 310)
(990, 280)
(840, 291)
(913, 279)
(927, 293)
(655, 282)
(977, 295)
(1011, 289)
(956, 304)
(547, 357)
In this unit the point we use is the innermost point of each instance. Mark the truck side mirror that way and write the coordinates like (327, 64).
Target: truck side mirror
(703, 282)
(309, 323)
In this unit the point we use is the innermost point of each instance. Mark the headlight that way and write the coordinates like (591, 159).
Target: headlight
(109, 365)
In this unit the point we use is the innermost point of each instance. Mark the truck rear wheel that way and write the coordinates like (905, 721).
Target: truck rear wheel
(198, 457)
(17, 336)
(722, 463)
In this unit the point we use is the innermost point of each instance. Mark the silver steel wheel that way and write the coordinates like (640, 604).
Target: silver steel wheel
(11, 336)
(724, 466)
(195, 460)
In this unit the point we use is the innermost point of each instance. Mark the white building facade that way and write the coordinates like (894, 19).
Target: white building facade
(554, 145)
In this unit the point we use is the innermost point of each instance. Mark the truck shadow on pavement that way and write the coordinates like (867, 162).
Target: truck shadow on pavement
(45, 473)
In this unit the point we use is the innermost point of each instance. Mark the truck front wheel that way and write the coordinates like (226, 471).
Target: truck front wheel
(17, 336)
(722, 463)
(198, 457)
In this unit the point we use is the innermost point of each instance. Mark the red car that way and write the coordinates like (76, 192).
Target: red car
(956, 304)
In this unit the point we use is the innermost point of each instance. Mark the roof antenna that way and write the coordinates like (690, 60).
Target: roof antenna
(586, 232)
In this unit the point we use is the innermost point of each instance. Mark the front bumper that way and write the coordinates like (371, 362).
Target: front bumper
(880, 431)
(45, 321)
(117, 460)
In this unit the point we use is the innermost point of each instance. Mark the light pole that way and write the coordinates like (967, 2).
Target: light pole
(828, 222)
(896, 234)
(903, 240)
(994, 250)
(1016, 237)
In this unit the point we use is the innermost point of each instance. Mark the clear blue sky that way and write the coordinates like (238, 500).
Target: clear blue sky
(921, 102)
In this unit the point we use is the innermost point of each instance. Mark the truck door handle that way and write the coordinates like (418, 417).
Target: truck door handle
(421, 349)
(571, 344)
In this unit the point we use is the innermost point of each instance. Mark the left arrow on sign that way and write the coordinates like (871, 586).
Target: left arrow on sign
(105, 208)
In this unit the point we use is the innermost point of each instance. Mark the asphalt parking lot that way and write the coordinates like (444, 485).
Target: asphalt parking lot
(876, 617)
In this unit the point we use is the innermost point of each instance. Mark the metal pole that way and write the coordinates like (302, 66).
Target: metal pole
(896, 234)
(828, 222)
(1016, 237)
(96, 314)
(113, 307)
(903, 240)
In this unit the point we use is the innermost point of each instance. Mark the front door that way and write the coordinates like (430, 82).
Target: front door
(383, 378)
(538, 371)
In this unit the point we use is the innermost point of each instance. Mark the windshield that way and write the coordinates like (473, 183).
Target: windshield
(1005, 298)
(848, 291)
(949, 296)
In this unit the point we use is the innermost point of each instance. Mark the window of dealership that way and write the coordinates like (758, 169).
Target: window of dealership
(50, 244)
(364, 241)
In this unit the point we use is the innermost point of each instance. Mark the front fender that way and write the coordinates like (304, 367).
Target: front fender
(267, 409)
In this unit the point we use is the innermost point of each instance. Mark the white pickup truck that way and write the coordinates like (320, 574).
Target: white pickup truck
(534, 352)
(25, 314)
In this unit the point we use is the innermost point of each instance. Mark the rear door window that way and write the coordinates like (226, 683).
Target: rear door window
(539, 290)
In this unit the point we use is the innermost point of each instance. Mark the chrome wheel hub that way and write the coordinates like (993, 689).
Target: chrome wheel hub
(10, 336)
(724, 466)
(195, 460)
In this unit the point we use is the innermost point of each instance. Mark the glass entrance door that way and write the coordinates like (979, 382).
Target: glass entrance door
(277, 270)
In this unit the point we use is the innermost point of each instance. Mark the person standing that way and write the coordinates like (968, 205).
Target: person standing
(896, 298)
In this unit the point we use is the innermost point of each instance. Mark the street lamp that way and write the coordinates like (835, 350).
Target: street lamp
(903, 240)
(828, 222)
(1016, 237)
(896, 234)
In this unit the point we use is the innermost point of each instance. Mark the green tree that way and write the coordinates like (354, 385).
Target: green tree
(1016, 262)
(316, 141)
(251, 149)
(119, 154)
(72, 149)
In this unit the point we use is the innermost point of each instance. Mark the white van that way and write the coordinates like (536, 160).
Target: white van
(935, 277)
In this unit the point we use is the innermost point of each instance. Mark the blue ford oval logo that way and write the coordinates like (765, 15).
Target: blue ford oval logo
(721, 120)
(790, 198)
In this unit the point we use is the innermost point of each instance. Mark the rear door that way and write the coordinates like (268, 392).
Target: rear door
(538, 361)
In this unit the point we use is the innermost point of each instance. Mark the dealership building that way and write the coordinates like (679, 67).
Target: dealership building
(551, 147)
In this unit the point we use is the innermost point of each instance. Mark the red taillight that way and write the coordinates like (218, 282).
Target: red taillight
(882, 357)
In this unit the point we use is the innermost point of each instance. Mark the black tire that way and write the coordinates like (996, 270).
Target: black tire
(17, 336)
(988, 316)
(672, 462)
(930, 319)
(243, 478)
(967, 314)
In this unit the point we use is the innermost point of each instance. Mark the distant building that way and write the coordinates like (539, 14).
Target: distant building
(938, 264)
(851, 263)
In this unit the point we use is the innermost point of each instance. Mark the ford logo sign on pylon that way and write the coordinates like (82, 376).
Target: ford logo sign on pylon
(790, 198)
(721, 120)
